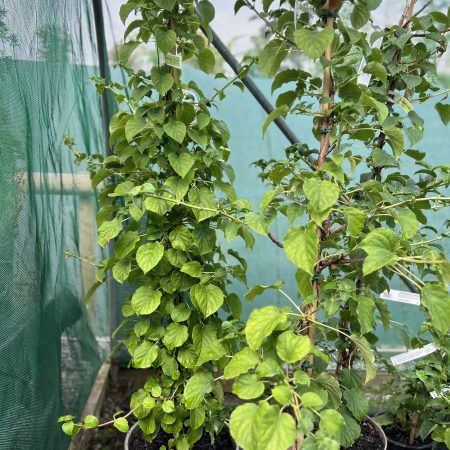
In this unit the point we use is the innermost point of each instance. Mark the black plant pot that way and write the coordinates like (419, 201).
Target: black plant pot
(135, 429)
(394, 445)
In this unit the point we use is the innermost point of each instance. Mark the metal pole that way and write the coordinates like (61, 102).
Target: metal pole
(107, 114)
(103, 66)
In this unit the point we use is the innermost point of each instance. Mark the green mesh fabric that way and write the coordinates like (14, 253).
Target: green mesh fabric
(49, 356)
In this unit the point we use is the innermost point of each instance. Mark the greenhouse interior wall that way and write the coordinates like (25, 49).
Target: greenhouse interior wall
(52, 340)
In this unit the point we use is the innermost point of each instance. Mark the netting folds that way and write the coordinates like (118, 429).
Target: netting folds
(49, 356)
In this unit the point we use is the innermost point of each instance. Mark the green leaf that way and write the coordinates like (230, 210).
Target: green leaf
(203, 198)
(149, 255)
(197, 417)
(175, 335)
(181, 163)
(121, 424)
(125, 51)
(286, 76)
(277, 112)
(157, 205)
(192, 268)
(355, 221)
(125, 11)
(109, 230)
(444, 112)
(437, 301)
(165, 39)
(176, 130)
(196, 388)
(409, 223)
(208, 298)
(126, 243)
(248, 387)
(379, 158)
(322, 196)
(332, 423)
(261, 323)
(204, 238)
(161, 79)
(311, 400)
(380, 245)
(304, 285)
(206, 60)
(365, 310)
(262, 427)
(90, 421)
(241, 363)
(121, 270)
(133, 127)
(357, 403)
(313, 43)
(212, 350)
(291, 347)
(203, 120)
(359, 16)
(367, 354)
(145, 300)
(378, 70)
(381, 108)
(178, 186)
(351, 431)
(300, 246)
(181, 238)
(166, 4)
(145, 354)
(206, 12)
(272, 56)
(396, 139)
(282, 394)
(198, 137)
(331, 385)
(258, 289)
(257, 223)
(447, 437)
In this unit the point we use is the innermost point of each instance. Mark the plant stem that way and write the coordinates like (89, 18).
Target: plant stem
(328, 92)
(199, 208)
(413, 429)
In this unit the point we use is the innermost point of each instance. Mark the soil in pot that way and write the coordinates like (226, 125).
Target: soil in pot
(222, 442)
(370, 438)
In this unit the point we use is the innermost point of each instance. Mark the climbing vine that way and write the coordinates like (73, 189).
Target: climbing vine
(358, 220)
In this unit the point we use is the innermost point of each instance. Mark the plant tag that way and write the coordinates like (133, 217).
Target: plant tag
(400, 296)
(445, 390)
(413, 354)
(173, 60)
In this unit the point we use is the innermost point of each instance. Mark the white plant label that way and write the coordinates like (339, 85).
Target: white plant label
(445, 390)
(413, 354)
(400, 296)
(173, 60)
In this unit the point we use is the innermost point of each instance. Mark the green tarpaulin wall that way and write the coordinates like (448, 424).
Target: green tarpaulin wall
(51, 342)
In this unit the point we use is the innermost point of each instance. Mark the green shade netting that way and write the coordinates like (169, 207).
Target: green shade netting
(49, 355)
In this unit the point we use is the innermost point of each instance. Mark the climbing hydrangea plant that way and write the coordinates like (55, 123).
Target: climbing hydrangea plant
(164, 194)
(358, 218)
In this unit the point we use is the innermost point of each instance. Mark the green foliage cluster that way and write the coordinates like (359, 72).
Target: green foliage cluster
(418, 404)
(357, 221)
